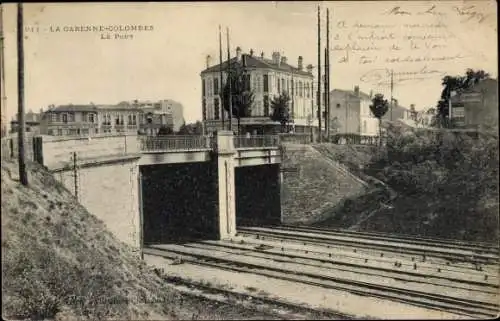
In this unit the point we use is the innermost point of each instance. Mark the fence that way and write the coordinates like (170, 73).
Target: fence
(297, 138)
(165, 143)
(354, 139)
(256, 141)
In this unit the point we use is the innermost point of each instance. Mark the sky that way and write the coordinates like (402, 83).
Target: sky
(417, 41)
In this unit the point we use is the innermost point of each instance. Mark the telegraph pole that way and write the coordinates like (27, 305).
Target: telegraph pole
(230, 99)
(319, 74)
(327, 58)
(221, 89)
(325, 85)
(23, 176)
(2, 67)
(392, 86)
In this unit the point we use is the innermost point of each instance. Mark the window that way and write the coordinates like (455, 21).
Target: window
(204, 109)
(293, 88)
(134, 120)
(91, 118)
(307, 90)
(53, 117)
(301, 89)
(338, 105)
(266, 83)
(278, 84)
(266, 105)
(216, 86)
(216, 108)
(65, 118)
(203, 87)
(71, 117)
(283, 84)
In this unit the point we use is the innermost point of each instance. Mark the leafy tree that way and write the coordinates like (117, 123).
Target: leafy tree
(165, 130)
(185, 129)
(281, 110)
(242, 97)
(191, 129)
(379, 108)
(456, 84)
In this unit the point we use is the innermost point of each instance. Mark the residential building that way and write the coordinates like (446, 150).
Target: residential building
(119, 118)
(350, 113)
(70, 120)
(143, 117)
(31, 120)
(267, 78)
(477, 106)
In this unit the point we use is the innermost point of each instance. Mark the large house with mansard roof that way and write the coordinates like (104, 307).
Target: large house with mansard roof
(268, 78)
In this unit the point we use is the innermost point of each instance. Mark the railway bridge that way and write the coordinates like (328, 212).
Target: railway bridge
(164, 189)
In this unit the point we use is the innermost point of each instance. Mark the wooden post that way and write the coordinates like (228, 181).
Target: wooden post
(23, 175)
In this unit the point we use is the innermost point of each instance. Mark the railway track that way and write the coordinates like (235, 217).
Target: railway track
(287, 308)
(313, 237)
(461, 245)
(464, 306)
(320, 259)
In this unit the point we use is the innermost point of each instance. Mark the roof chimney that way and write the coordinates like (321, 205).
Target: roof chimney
(276, 58)
(309, 68)
(300, 63)
(207, 60)
(251, 52)
(356, 91)
(262, 55)
(238, 53)
(283, 60)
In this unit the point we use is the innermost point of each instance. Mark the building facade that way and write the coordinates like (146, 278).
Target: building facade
(267, 78)
(143, 117)
(68, 120)
(476, 107)
(31, 120)
(350, 113)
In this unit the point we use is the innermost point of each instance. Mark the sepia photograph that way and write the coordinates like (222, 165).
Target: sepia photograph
(250, 160)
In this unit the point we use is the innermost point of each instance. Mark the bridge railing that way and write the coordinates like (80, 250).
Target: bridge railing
(296, 138)
(256, 141)
(165, 143)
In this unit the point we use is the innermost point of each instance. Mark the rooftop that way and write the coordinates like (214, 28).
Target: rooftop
(254, 62)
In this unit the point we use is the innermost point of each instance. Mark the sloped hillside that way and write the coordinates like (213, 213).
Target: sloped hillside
(59, 262)
(312, 185)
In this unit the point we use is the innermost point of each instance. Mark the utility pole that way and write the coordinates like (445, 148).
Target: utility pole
(319, 75)
(392, 86)
(75, 175)
(23, 175)
(230, 99)
(221, 89)
(325, 85)
(346, 112)
(327, 58)
(2, 75)
(449, 108)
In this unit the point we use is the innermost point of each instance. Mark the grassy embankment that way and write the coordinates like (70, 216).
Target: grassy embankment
(446, 185)
(60, 262)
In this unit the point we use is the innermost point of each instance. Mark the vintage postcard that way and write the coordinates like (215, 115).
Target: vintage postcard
(250, 160)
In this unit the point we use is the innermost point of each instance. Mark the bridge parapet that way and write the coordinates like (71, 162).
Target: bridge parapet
(173, 142)
(256, 141)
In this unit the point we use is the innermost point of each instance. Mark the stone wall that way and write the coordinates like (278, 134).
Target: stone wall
(111, 193)
(312, 185)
